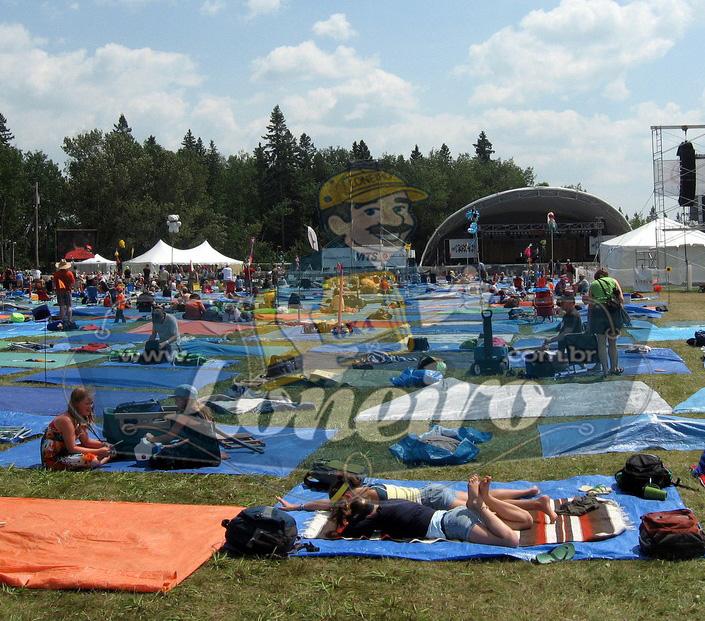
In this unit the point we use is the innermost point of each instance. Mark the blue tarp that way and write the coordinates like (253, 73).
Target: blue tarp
(695, 404)
(132, 376)
(498, 327)
(629, 434)
(50, 401)
(659, 361)
(412, 449)
(35, 423)
(622, 547)
(206, 347)
(11, 370)
(286, 448)
(665, 333)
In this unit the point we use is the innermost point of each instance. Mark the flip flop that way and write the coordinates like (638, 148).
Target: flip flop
(598, 490)
(563, 552)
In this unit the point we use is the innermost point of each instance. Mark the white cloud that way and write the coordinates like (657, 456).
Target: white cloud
(574, 47)
(616, 90)
(48, 96)
(347, 80)
(212, 7)
(74, 6)
(263, 7)
(336, 27)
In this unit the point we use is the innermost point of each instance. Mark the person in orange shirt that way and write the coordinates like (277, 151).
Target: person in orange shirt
(120, 304)
(64, 281)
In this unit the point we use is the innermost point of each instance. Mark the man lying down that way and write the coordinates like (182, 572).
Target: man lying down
(481, 515)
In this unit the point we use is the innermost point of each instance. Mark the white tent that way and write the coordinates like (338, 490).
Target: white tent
(641, 256)
(164, 254)
(97, 263)
(205, 254)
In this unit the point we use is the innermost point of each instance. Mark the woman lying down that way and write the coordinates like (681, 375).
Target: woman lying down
(433, 512)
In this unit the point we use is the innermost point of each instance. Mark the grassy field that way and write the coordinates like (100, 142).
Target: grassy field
(346, 588)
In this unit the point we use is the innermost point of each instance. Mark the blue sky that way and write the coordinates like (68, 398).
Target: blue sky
(569, 87)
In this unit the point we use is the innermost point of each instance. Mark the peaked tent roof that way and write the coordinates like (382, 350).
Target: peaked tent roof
(205, 254)
(675, 234)
(161, 254)
(96, 260)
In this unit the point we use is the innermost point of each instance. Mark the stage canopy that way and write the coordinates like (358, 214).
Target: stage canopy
(510, 220)
(640, 257)
(163, 254)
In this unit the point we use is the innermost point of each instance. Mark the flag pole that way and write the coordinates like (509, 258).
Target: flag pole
(36, 224)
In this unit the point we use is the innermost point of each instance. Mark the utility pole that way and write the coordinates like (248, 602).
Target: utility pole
(36, 224)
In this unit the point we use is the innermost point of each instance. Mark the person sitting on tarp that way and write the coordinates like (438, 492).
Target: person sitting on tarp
(66, 445)
(165, 333)
(194, 309)
(434, 495)
(570, 327)
(191, 441)
(484, 519)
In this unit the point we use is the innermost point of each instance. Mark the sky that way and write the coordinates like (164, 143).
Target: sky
(569, 87)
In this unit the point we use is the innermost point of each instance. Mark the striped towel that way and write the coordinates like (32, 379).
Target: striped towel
(607, 521)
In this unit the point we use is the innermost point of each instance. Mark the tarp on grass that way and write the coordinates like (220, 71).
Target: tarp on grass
(665, 333)
(194, 327)
(286, 448)
(695, 404)
(621, 547)
(117, 546)
(453, 399)
(51, 401)
(629, 434)
(132, 376)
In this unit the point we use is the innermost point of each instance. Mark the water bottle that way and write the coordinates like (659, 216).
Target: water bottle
(651, 492)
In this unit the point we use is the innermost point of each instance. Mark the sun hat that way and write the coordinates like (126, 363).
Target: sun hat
(186, 391)
(63, 265)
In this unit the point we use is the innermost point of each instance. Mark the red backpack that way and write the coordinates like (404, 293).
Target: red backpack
(671, 535)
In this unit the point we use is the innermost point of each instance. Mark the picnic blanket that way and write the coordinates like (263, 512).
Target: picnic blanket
(119, 546)
(608, 536)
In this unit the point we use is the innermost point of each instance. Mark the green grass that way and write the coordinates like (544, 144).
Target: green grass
(348, 588)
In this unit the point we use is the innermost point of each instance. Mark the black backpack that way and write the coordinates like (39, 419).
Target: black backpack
(698, 339)
(325, 472)
(263, 531)
(641, 470)
(671, 535)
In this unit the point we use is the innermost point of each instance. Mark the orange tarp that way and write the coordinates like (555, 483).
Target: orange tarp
(120, 546)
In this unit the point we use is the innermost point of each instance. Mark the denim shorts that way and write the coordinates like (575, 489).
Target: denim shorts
(459, 522)
(437, 496)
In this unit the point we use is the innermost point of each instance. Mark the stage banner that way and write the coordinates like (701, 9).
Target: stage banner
(462, 248)
(364, 257)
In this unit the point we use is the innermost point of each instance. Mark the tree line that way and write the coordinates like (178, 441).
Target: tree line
(125, 189)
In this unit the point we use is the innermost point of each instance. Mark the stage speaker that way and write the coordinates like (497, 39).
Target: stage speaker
(41, 312)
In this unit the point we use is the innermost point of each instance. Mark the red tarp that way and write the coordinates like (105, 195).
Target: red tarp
(194, 328)
(119, 546)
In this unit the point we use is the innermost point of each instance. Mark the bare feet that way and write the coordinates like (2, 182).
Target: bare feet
(475, 501)
(546, 504)
(485, 487)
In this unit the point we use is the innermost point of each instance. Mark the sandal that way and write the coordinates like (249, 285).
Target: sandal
(617, 371)
(563, 552)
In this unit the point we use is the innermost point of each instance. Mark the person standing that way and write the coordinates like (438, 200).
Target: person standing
(120, 304)
(606, 318)
(64, 281)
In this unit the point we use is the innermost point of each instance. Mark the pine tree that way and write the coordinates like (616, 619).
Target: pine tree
(305, 152)
(444, 153)
(415, 154)
(200, 148)
(189, 142)
(483, 148)
(6, 136)
(121, 127)
(363, 151)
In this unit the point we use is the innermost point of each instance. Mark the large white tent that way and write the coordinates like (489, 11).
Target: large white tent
(642, 255)
(164, 254)
(97, 263)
